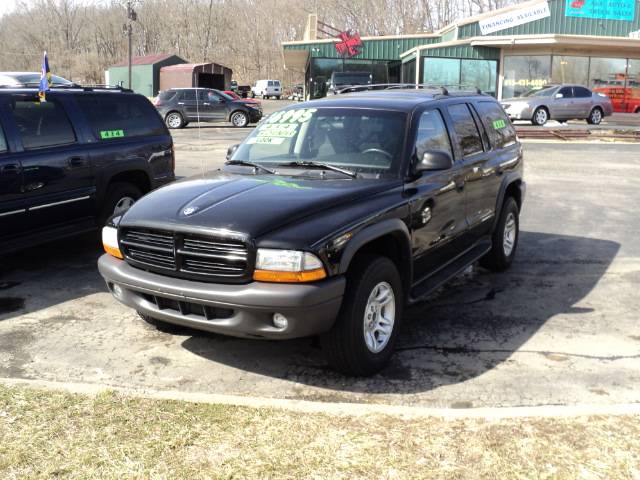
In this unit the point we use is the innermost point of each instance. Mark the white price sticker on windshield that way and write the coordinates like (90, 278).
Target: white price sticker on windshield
(300, 115)
(266, 140)
(286, 130)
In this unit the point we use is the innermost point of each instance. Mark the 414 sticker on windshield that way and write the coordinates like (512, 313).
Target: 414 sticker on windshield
(106, 134)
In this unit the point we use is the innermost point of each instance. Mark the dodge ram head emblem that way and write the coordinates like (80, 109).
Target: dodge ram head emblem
(190, 211)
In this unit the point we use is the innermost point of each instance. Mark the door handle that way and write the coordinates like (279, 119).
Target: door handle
(459, 181)
(76, 162)
(11, 169)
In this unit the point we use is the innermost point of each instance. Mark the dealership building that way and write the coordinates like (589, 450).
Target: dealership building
(595, 43)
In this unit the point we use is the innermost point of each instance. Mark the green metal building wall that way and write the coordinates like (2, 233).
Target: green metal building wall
(559, 23)
(463, 51)
(145, 79)
(383, 49)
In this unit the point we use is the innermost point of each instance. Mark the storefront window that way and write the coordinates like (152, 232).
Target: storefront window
(479, 74)
(607, 72)
(524, 72)
(634, 74)
(567, 69)
(441, 71)
(409, 72)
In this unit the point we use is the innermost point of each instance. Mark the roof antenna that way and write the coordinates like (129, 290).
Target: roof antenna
(444, 91)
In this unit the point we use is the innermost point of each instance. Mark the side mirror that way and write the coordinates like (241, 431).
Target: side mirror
(231, 150)
(559, 95)
(434, 160)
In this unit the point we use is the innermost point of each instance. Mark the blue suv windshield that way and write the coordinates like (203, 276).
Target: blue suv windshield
(360, 140)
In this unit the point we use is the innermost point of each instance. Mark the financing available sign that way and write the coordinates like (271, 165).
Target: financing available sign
(514, 18)
(601, 9)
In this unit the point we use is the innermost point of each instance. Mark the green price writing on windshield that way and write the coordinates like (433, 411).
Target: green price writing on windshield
(106, 134)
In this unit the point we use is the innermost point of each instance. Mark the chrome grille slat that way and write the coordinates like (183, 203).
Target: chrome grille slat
(187, 255)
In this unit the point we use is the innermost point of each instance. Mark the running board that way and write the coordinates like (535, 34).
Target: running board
(442, 276)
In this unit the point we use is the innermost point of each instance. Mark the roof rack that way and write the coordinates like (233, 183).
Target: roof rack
(417, 86)
(73, 86)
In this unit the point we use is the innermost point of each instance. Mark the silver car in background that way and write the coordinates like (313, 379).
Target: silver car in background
(559, 102)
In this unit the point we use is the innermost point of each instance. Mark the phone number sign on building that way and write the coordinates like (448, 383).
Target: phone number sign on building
(514, 18)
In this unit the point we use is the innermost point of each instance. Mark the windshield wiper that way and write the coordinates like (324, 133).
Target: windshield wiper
(257, 166)
(324, 166)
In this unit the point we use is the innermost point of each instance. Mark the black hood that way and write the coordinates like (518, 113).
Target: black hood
(244, 204)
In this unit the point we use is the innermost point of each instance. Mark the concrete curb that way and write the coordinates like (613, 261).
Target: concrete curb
(349, 409)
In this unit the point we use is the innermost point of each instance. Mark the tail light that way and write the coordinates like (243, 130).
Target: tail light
(157, 102)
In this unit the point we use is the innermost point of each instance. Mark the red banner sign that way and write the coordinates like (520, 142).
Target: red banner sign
(349, 44)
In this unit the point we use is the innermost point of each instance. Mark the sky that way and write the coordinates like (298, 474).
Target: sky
(7, 6)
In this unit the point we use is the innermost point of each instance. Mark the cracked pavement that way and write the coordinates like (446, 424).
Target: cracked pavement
(560, 328)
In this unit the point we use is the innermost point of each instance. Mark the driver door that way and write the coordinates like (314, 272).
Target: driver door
(437, 202)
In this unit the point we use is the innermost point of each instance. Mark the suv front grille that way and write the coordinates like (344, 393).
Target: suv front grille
(186, 255)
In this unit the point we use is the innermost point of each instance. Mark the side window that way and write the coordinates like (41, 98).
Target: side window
(466, 130)
(188, 95)
(581, 92)
(270, 83)
(496, 123)
(3, 141)
(432, 134)
(42, 124)
(566, 92)
(114, 115)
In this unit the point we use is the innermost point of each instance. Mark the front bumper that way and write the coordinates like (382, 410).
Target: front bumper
(518, 113)
(255, 115)
(235, 310)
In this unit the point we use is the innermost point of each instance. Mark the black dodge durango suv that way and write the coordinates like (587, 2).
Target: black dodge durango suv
(328, 219)
(68, 164)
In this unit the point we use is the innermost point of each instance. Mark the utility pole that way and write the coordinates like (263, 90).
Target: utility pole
(132, 16)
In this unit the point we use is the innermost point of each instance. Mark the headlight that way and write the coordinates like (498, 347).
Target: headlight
(289, 266)
(110, 241)
(518, 106)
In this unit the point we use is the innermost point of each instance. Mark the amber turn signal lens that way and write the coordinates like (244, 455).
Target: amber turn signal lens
(115, 252)
(289, 277)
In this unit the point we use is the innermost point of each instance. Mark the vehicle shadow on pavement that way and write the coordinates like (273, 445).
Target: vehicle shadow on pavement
(467, 328)
(49, 274)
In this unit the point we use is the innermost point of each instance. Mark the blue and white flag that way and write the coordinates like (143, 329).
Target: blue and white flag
(45, 78)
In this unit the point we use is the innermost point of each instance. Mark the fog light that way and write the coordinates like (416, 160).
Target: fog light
(280, 321)
(117, 290)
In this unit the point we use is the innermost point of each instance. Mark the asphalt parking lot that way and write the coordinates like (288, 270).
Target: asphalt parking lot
(560, 328)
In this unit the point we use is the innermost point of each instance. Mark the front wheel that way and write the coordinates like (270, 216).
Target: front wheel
(239, 119)
(119, 198)
(363, 338)
(505, 238)
(540, 116)
(595, 117)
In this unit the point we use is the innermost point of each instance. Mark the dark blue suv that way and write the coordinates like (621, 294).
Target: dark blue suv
(69, 163)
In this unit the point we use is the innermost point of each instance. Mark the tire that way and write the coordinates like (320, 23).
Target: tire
(174, 120)
(119, 197)
(540, 116)
(277, 97)
(253, 95)
(503, 251)
(595, 117)
(345, 346)
(239, 119)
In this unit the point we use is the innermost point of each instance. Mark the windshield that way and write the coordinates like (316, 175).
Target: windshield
(540, 92)
(225, 95)
(360, 140)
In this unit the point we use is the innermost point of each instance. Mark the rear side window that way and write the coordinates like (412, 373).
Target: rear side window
(115, 116)
(466, 130)
(270, 83)
(432, 134)
(42, 124)
(581, 92)
(167, 95)
(188, 95)
(500, 129)
(3, 141)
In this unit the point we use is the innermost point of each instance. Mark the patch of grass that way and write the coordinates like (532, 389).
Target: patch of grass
(46, 434)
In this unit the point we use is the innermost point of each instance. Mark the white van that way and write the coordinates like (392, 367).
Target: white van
(266, 89)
